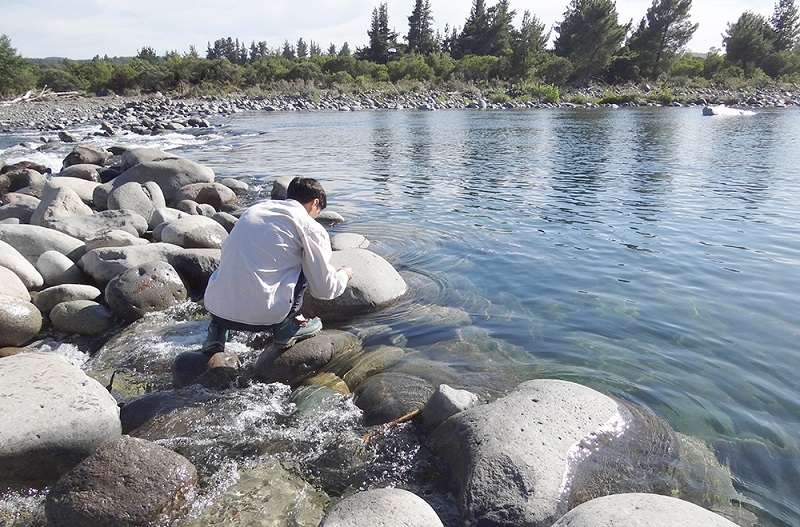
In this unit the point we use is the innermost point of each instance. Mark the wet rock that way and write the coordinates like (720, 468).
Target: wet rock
(136, 156)
(304, 358)
(11, 259)
(31, 241)
(387, 507)
(59, 203)
(280, 186)
(388, 396)
(329, 217)
(239, 187)
(445, 403)
(87, 154)
(67, 137)
(194, 232)
(546, 437)
(54, 416)
(20, 321)
(632, 509)
(57, 269)
(12, 285)
(215, 194)
(142, 198)
(84, 317)
(86, 227)
(355, 367)
(170, 174)
(195, 267)
(311, 399)
(375, 285)
(146, 288)
(265, 496)
(347, 240)
(48, 298)
(85, 172)
(103, 264)
(127, 482)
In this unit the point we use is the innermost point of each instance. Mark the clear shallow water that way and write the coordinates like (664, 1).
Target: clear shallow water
(650, 253)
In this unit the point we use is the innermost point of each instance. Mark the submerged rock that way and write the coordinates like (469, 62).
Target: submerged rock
(388, 396)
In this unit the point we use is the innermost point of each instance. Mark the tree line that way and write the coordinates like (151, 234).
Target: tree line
(590, 46)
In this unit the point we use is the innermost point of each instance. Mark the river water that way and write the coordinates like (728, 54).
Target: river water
(650, 253)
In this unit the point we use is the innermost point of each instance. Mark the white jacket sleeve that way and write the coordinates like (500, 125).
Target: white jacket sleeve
(324, 281)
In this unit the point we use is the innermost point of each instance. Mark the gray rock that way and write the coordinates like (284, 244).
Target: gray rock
(87, 172)
(329, 217)
(444, 403)
(20, 321)
(20, 209)
(164, 215)
(193, 208)
(143, 289)
(194, 232)
(387, 396)
(21, 178)
(387, 507)
(113, 238)
(635, 509)
(57, 269)
(87, 154)
(226, 220)
(11, 258)
(215, 194)
(31, 241)
(11, 285)
(59, 203)
(84, 317)
(195, 267)
(280, 186)
(239, 187)
(86, 227)
(529, 437)
(142, 198)
(82, 187)
(374, 286)
(128, 482)
(67, 137)
(136, 156)
(54, 416)
(170, 174)
(103, 264)
(48, 298)
(304, 358)
(347, 240)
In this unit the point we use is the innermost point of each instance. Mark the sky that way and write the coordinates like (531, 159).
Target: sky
(82, 29)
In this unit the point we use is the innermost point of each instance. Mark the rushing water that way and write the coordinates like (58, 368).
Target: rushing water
(650, 253)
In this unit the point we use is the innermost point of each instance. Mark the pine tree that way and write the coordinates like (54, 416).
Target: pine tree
(749, 41)
(381, 38)
(302, 48)
(420, 33)
(785, 21)
(663, 31)
(529, 46)
(588, 36)
(498, 39)
(472, 37)
(288, 50)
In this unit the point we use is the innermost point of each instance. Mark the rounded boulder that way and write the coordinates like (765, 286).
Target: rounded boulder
(128, 482)
(388, 507)
(54, 416)
(194, 232)
(143, 289)
(20, 321)
(84, 317)
(57, 269)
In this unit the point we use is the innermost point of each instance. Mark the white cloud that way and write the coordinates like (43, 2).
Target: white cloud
(81, 29)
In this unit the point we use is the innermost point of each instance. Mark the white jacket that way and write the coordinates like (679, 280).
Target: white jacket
(262, 259)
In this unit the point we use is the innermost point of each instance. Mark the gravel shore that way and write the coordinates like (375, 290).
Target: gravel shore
(151, 114)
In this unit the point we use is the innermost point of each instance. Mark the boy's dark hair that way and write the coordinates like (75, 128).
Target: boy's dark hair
(305, 189)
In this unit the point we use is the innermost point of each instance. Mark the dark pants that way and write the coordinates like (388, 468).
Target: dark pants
(296, 309)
